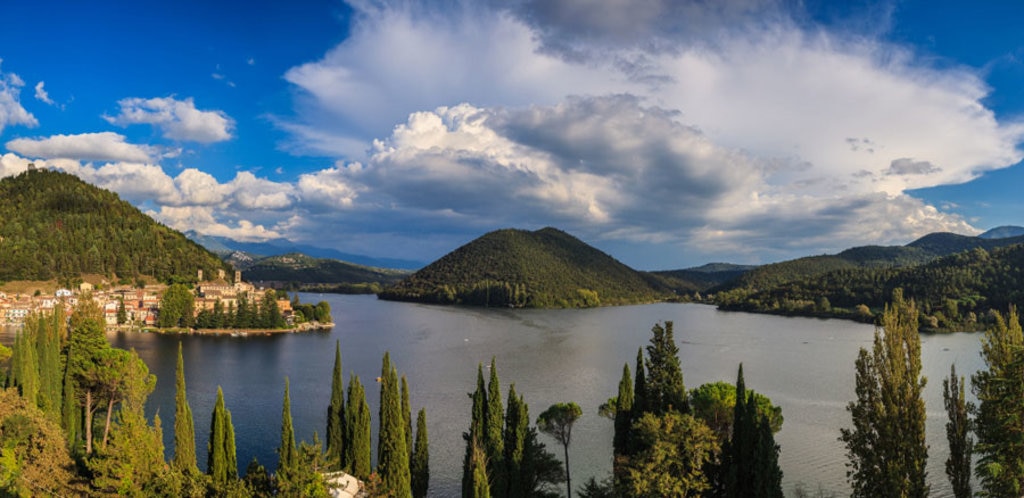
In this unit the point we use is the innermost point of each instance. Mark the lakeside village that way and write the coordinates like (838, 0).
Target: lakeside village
(141, 305)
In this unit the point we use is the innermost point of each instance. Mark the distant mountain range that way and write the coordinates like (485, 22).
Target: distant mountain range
(300, 270)
(1003, 232)
(276, 247)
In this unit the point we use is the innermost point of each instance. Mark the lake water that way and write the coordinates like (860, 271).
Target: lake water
(804, 365)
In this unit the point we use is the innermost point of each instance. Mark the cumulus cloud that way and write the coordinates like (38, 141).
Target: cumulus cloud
(693, 122)
(103, 146)
(177, 119)
(11, 111)
(202, 220)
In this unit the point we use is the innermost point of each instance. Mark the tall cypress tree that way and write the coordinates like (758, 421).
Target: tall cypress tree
(739, 453)
(476, 431)
(71, 412)
(767, 474)
(357, 424)
(494, 444)
(480, 484)
(26, 373)
(420, 466)
(998, 425)
(665, 388)
(407, 418)
(184, 428)
(641, 404)
(958, 434)
(623, 412)
(229, 446)
(288, 462)
(392, 454)
(216, 447)
(886, 445)
(47, 335)
(336, 450)
(517, 428)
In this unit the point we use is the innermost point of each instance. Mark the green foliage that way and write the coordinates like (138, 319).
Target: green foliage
(623, 413)
(886, 445)
(665, 389)
(494, 443)
(357, 424)
(133, 463)
(221, 463)
(392, 453)
(480, 487)
(33, 458)
(673, 449)
(288, 463)
(557, 421)
(58, 227)
(958, 434)
(419, 467)
(998, 425)
(542, 269)
(715, 402)
(336, 445)
(750, 461)
(184, 427)
(176, 307)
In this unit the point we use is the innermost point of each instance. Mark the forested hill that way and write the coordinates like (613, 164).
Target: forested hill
(300, 270)
(55, 225)
(921, 251)
(545, 268)
(953, 292)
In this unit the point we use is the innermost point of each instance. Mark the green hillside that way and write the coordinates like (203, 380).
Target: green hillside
(302, 271)
(954, 292)
(701, 278)
(542, 269)
(57, 226)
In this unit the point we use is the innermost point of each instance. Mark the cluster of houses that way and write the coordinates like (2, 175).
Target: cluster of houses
(141, 305)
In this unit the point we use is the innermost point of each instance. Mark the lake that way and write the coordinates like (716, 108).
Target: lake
(804, 365)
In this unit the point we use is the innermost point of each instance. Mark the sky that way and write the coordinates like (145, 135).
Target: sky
(668, 133)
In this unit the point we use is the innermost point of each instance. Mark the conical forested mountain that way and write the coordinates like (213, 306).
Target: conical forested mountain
(58, 226)
(545, 268)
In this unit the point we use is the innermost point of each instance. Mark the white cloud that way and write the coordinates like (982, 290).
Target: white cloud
(203, 220)
(11, 111)
(177, 119)
(103, 146)
(41, 94)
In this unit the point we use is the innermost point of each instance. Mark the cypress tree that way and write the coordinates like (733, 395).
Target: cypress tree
(886, 446)
(216, 447)
(47, 334)
(480, 484)
(392, 454)
(998, 425)
(229, 446)
(476, 431)
(665, 388)
(407, 418)
(767, 475)
(71, 412)
(640, 402)
(25, 368)
(494, 444)
(958, 429)
(358, 426)
(420, 466)
(336, 450)
(184, 428)
(287, 452)
(517, 428)
(739, 453)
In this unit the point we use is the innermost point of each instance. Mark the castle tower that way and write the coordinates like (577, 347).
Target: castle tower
(238, 276)
(220, 274)
(200, 275)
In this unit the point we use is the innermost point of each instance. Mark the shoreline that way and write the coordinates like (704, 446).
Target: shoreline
(303, 327)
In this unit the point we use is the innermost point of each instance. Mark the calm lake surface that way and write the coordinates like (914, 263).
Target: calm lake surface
(804, 365)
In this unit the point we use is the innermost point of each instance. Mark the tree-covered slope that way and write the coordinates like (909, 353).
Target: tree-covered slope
(55, 225)
(953, 291)
(303, 269)
(701, 278)
(545, 268)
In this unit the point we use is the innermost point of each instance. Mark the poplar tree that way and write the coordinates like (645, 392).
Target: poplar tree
(999, 427)
(357, 424)
(494, 445)
(392, 454)
(184, 427)
(886, 445)
(958, 428)
(287, 452)
(420, 466)
(336, 447)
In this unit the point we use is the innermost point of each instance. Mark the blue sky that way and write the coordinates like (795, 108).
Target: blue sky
(667, 133)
